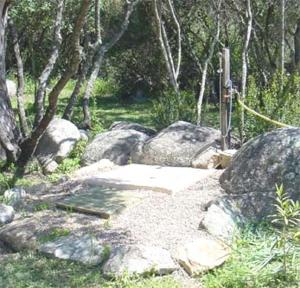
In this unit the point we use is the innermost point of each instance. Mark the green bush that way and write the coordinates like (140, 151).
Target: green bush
(172, 107)
(256, 263)
(104, 87)
(278, 104)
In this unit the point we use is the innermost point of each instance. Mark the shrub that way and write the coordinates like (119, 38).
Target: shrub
(279, 104)
(172, 107)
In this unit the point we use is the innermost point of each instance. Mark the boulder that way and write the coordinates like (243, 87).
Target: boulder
(202, 255)
(56, 143)
(15, 197)
(11, 88)
(222, 219)
(28, 233)
(177, 145)
(7, 214)
(123, 125)
(269, 159)
(139, 259)
(84, 249)
(115, 146)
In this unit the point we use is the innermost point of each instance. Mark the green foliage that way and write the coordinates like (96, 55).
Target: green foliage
(36, 271)
(69, 164)
(256, 262)
(41, 207)
(104, 87)
(279, 104)
(54, 234)
(288, 217)
(4, 182)
(264, 257)
(171, 107)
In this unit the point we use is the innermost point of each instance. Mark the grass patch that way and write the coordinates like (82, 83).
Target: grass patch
(257, 263)
(36, 271)
(54, 234)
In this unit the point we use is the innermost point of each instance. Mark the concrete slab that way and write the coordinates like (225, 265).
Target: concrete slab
(100, 201)
(154, 178)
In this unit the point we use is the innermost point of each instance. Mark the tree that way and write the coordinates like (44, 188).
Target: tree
(101, 50)
(20, 150)
(9, 134)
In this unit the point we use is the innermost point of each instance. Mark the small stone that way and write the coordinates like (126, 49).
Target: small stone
(15, 196)
(226, 157)
(207, 160)
(11, 88)
(139, 260)
(222, 220)
(84, 135)
(83, 249)
(50, 167)
(7, 214)
(202, 255)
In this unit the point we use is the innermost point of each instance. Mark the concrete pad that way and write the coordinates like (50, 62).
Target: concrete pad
(100, 201)
(154, 178)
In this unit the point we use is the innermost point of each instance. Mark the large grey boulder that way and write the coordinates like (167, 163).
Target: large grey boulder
(270, 159)
(177, 145)
(123, 125)
(56, 143)
(139, 259)
(115, 146)
(84, 249)
(11, 88)
(7, 214)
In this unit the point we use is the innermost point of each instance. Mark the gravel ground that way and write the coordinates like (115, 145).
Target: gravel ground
(159, 219)
(168, 220)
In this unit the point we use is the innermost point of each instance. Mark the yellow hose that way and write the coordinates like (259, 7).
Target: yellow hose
(279, 124)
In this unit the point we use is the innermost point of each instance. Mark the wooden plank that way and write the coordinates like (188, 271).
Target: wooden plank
(224, 101)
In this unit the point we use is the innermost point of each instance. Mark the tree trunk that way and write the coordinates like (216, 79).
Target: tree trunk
(44, 77)
(282, 52)
(245, 66)
(9, 134)
(297, 47)
(74, 96)
(98, 63)
(165, 46)
(21, 81)
(205, 66)
(29, 145)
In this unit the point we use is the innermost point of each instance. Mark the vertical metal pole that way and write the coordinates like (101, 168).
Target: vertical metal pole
(225, 98)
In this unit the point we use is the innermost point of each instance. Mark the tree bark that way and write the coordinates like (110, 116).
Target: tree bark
(282, 52)
(74, 96)
(99, 57)
(205, 66)
(21, 81)
(9, 134)
(297, 47)
(29, 145)
(165, 46)
(44, 77)
(245, 66)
